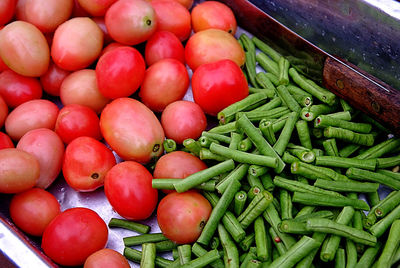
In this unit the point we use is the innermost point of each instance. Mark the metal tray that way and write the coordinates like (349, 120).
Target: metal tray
(19, 250)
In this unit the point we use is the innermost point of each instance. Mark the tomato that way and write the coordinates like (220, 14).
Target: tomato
(182, 216)
(162, 45)
(24, 49)
(33, 209)
(80, 87)
(213, 14)
(19, 170)
(164, 82)
(186, 3)
(110, 47)
(128, 189)
(173, 17)
(106, 257)
(212, 45)
(100, 21)
(183, 120)
(177, 165)
(75, 120)
(132, 130)
(45, 15)
(5, 141)
(73, 235)
(131, 22)
(31, 115)
(7, 9)
(51, 80)
(120, 72)
(78, 11)
(217, 85)
(48, 149)
(17, 89)
(86, 162)
(96, 7)
(76, 43)
(3, 110)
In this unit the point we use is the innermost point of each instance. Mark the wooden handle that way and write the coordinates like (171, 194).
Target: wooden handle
(375, 98)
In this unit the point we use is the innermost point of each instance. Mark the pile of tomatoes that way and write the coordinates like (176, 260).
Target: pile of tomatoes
(89, 90)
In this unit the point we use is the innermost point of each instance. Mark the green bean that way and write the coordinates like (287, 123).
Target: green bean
(185, 253)
(245, 145)
(306, 262)
(240, 202)
(267, 182)
(373, 197)
(387, 204)
(267, 64)
(286, 204)
(368, 257)
(317, 133)
(200, 251)
(351, 254)
(143, 238)
(169, 145)
(349, 149)
(349, 136)
(299, 250)
(286, 133)
(255, 181)
(311, 112)
(166, 245)
(237, 173)
(192, 145)
(319, 214)
(289, 158)
(231, 253)
(253, 192)
(295, 186)
(394, 175)
(346, 115)
(347, 186)
(224, 129)
(365, 175)
(202, 261)
(320, 93)
(257, 170)
(303, 132)
(276, 240)
(303, 100)
(379, 228)
(244, 157)
(266, 49)
(236, 138)
(332, 227)
(288, 99)
(203, 175)
(136, 256)
(302, 153)
(391, 246)
(205, 142)
(386, 162)
(148, 255)
(330, 147)
(315, 172)
(258, 115)
(215, 242)
(330, 201)
(256, 207)
(340, 258)
(323, 121)
(396, 257)
(250, 53)
(216, 136)
(273, 103)
(168, 184)
(218, 212)
(345, 105)
(233, 226)
(266, 127)
(129, 225)
(277, 124)
(295, 90)
(269, 91)
(247, 242)
(342, 162)
(228, 113)
(293, 227)
(263, 244)
(258, 140)
(380, 149)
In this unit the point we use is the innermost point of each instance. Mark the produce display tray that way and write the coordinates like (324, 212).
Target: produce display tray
(20, 250)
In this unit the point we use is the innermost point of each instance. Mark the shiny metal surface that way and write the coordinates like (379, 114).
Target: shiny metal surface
(363, 32)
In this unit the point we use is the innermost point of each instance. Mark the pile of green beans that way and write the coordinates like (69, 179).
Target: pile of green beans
(294, 176)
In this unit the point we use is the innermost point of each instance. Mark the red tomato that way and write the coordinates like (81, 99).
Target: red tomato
(76, 43)
(78, 11)
(33, 210)
(110, 47)
(217, 85)
(186, 3)
(24, 49)
(212, 45)
(7, 9)
(120, 72)
(5, 141)
(19, 171)
(73, 235)
(182, 120)
(132, 130)
(31, 115)
(173, 17)
(48, 149)
(75, 120)
(3, 110)
(182, 216)
(213, 14)
(131, 22)
(128, 189)
(45, 15)
(162, 45)
(177, 165)
(86, 162)
(80, 87)
(17, 89)
(164, 82)
(96, 7)
(3, 66)
(51, 80)
(106, 257)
